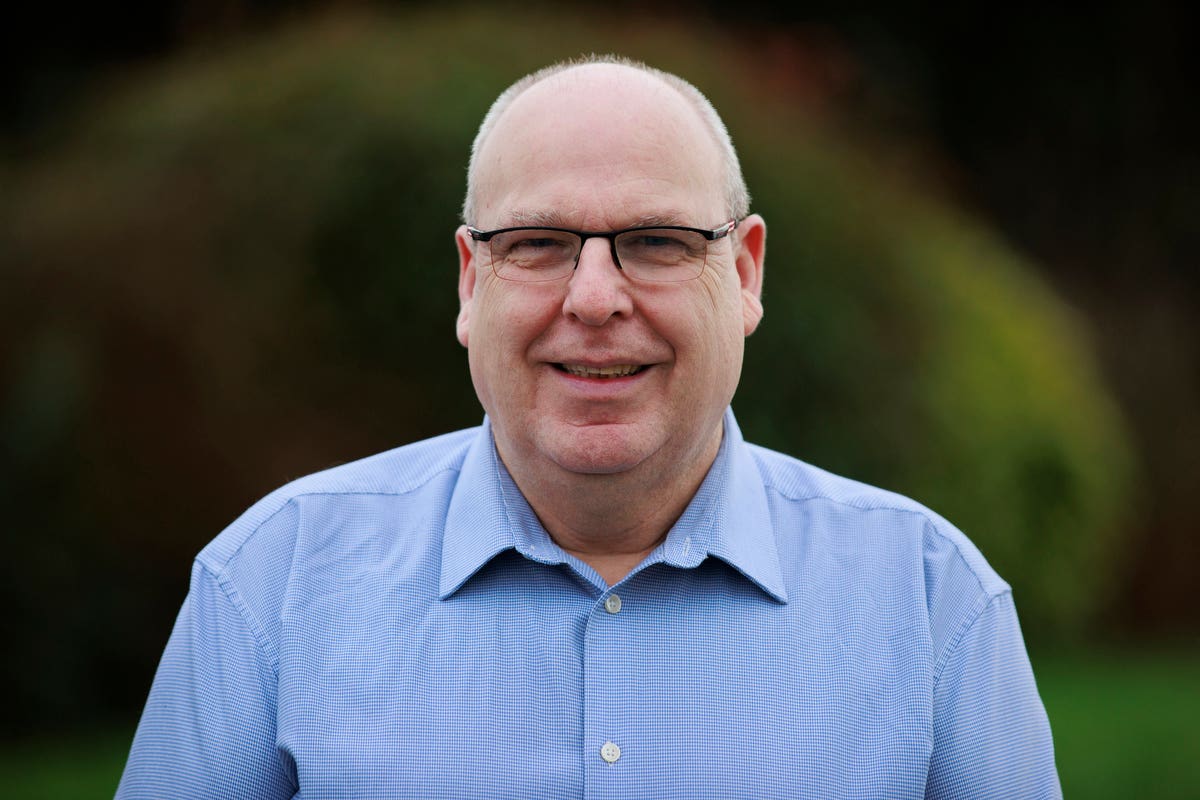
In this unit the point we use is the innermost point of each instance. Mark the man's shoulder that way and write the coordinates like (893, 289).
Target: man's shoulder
(862, 512)
(396, 471)
(399, 471)
(800, 481)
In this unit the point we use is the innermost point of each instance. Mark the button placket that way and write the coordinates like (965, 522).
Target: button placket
(608, 687)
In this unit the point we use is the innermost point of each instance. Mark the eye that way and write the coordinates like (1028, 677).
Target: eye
(656, 241)
(661, 246)
(532, 243)
(535, 243)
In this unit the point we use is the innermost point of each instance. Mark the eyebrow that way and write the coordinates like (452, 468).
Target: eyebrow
(555, 219)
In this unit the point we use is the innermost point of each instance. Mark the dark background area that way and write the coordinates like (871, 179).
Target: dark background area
(1073, 132)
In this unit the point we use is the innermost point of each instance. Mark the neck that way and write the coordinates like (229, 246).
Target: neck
(612, 522)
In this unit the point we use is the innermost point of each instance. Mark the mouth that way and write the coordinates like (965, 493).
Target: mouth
(603, 373)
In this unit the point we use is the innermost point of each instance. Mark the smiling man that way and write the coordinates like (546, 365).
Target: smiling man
(603, 591)
(606, 362)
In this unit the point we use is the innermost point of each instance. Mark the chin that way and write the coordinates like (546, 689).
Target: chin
(596, 466)
(597, 453)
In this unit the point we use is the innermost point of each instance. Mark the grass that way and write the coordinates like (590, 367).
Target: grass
(1124, 721)
(81, 766)
(1124, 726)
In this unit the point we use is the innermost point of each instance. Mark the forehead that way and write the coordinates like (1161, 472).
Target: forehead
(601, 144)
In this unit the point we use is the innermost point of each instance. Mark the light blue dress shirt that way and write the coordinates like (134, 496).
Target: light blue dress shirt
(404, 627)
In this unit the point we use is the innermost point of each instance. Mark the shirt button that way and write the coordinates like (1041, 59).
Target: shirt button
(612, 604)
(610, 752)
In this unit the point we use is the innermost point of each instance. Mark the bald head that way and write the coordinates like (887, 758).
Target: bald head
(599, 106)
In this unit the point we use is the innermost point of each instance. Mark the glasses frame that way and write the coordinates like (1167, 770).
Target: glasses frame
(710, 235)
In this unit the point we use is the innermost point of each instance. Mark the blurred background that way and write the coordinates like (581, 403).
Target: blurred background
(226, 261)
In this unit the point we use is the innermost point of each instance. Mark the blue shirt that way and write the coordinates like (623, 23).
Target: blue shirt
(403, 626)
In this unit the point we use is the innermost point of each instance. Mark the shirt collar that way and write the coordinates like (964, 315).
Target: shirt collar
(488, 515)
(728, 518)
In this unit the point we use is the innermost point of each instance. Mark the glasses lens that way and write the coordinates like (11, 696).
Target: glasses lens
(533, 254)
(662, 254)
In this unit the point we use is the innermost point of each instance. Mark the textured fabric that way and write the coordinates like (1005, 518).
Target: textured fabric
(404, 627)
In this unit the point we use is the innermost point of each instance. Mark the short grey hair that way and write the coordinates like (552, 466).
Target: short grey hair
(737, 197)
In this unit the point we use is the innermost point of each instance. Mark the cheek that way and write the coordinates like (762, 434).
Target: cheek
(480, 370)
(507, 319)
(705, 334)
(715, 316)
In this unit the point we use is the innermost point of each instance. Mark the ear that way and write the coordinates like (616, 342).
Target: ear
(466, 281)
(751, 249)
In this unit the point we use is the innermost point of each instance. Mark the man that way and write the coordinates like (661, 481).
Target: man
(603, 591)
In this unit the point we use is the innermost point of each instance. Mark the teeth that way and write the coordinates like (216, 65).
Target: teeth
(618, 371)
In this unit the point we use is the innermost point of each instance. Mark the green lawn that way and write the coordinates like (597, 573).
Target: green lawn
(79, 767)
(1124, 726)
(1124, 722)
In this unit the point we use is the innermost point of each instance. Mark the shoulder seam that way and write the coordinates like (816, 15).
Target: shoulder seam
(287, 500)
(917, 512)
(805, 497)
(928, 517)
(930, 524)
(235, 599)
(964, 628)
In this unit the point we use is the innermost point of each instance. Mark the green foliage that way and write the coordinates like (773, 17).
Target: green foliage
(241, 269)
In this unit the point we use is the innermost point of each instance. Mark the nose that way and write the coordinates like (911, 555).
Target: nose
(597, 289)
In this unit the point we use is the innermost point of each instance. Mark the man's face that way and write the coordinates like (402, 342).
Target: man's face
(602, 148)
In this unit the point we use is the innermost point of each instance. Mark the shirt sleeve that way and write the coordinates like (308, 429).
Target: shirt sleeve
(208, 729)
(991, 737)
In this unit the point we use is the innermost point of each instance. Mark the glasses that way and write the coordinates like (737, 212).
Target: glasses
(663, 253)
